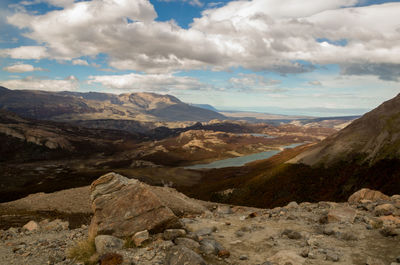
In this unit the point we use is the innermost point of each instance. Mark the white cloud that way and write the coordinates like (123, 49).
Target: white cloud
(80, 62)
(33, 83)
(149, 82)
(271, 35)
(59, 3)
(22, 68)
(254, 82)
(25, 52)
(191, 2)
(315, 83)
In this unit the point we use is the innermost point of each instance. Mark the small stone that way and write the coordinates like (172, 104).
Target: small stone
(140, 237)
(223, 253)
(253, 215)
(180, 255)
(55, 225)
(328, 231)
(304, 253)
(171, 234)
(292, 205)
(210, 246)
(106, 243)
(332, 256)
(244, 257)
(291, 234)
(341, 214)
(239, 233)
(206, 231)
(224, 209)
(347, 236)
(111, 259)
(286, 257)
(389, 231)
(31, 226)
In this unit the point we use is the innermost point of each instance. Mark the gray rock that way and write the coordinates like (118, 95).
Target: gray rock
(244, 257)
(106, 243)
(210, 246)
(180, 255)
(332, 256)
(206, 231)
(171, 234)
(291, 234)
(187, 242)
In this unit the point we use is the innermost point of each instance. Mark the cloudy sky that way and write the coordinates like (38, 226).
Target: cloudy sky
(315, 57)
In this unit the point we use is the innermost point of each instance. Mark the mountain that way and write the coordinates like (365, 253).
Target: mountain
(205, 106)
(371, 138)
(73, 106)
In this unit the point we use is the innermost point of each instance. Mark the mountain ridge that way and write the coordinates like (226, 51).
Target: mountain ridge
(373, 137)
(67, 106)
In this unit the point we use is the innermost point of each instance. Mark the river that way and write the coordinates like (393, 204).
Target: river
(241, 160)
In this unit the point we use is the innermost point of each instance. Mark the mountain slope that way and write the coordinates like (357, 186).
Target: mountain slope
(71, 106)
(373, 137)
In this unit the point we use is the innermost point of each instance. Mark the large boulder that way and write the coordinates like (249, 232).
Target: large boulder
(123, 206)
(367, 194)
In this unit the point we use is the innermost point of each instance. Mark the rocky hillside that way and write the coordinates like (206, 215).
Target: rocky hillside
(29, 140)
(134, 223)
(73, 106)
(371, 138)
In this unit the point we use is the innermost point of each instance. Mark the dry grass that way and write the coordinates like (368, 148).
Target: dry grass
(83, 251)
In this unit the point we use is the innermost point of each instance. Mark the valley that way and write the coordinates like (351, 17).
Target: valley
(47, 163)
(45, 153)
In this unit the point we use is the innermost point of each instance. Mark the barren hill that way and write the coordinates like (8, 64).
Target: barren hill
(69, 106)
(373, 137)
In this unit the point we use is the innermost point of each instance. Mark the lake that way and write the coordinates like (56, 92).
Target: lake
(241, 160)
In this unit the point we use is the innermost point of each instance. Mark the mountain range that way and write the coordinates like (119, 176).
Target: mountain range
(74, 106)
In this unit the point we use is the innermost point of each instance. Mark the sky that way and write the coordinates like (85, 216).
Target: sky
(311, 57)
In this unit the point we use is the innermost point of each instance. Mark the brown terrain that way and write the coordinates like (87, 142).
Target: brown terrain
(48, 155)
(133, 223)
(311, 205)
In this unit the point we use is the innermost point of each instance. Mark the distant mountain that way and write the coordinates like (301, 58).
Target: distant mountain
(205, 106)
(72, 106)
(373, 137)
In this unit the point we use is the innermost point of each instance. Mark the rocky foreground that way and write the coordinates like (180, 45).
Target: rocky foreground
(134, 223)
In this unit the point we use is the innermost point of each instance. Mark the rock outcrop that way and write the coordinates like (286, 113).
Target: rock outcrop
(363, 232)
(367, 194)
(123, 207)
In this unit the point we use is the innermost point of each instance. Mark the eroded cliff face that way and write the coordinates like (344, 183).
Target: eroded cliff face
(364, 230)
